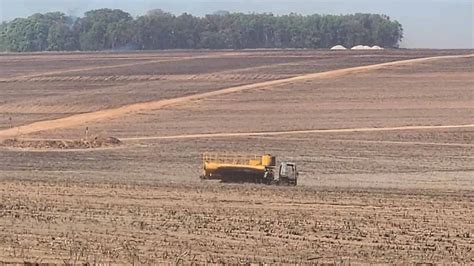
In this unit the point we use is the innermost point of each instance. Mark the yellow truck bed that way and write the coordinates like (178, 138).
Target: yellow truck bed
(236, 166)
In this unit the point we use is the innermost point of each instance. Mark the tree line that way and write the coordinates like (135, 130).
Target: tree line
(114, 29)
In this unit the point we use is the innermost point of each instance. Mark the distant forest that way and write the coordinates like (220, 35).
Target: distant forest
(113, 29)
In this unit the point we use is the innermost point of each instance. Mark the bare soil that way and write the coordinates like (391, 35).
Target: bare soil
(385, 157)
(73, 222)
(81, 119)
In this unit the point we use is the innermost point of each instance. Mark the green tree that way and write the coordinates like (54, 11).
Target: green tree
(186, 29)
(61, 35)
(20, 35)
(155, 30)
(3, 37)
(103, 29)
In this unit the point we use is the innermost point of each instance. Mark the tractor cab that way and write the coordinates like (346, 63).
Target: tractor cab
(288, 174)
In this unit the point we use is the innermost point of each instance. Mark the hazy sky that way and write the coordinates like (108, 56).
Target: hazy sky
(427, 24)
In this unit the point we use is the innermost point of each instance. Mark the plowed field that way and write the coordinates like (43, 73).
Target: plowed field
(384, 143)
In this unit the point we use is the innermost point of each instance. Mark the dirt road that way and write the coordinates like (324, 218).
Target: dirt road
(297, 132)
(79, 119)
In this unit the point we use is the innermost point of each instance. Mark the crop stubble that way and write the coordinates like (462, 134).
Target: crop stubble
(398, 196)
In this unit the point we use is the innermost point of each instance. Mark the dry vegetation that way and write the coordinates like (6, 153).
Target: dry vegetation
(88, 143)
(80, 221)
(379, 196)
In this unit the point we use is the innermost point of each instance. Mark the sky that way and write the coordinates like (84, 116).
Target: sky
(427, 23)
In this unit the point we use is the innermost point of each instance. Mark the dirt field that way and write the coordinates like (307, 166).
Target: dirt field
(385, 154)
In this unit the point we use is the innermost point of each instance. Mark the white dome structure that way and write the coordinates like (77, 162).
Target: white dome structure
(338, 47)
(361, 47)
(376, 47)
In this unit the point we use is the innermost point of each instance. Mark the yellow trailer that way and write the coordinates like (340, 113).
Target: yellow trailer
(247, 168)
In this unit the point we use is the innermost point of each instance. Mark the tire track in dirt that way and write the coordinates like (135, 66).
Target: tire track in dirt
(297, 132)
(216, 76)
(420, 143)
(225, 74)
(410, 143)
(101, 115)
(58, 72)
